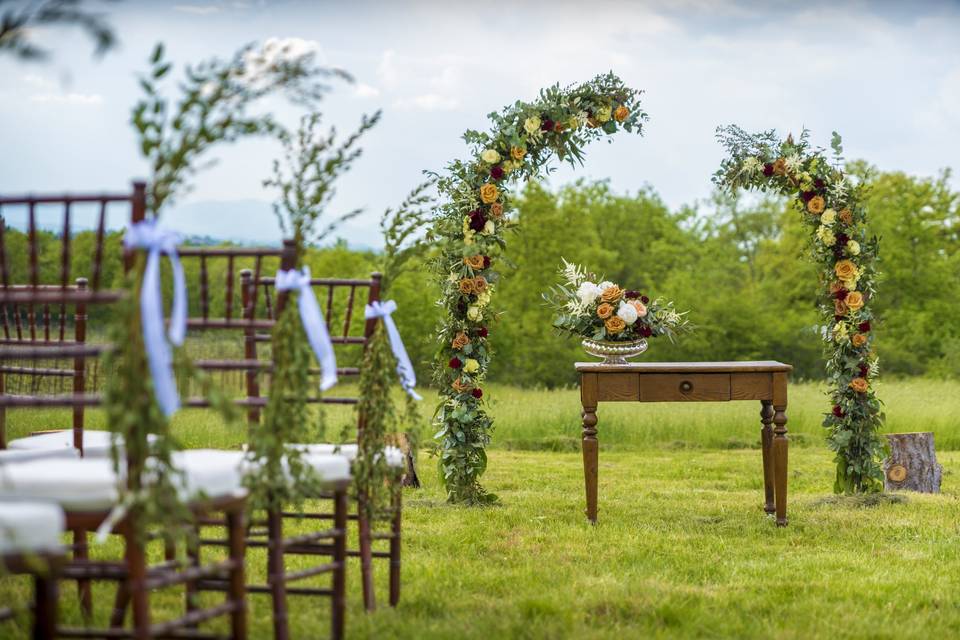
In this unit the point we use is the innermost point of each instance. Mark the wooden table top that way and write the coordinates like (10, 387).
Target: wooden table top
(759, 366)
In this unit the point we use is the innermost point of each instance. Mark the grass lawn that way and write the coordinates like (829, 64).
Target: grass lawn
(683, 548)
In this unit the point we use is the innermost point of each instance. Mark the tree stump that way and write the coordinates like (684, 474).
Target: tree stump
(912, 465)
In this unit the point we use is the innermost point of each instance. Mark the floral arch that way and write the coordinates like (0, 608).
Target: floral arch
(833, 212)
(470, 229)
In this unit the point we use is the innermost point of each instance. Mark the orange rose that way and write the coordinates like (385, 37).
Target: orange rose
(840, 308)
(604, 311)
(468, 286)
(854, 300)
(460, 386)
(611, 294)
(816, 205)
(489, 193)
(614, 324)
(621, 113)
(845, 270)
(496, 210)
(474, 262)
(859, 340)
(517, 153)
(779, 167)
(460, 341)
(846, 216)
(479, 284)
(859, 385)
(640, 307)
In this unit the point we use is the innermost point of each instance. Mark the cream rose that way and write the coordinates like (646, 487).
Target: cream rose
(471, 366)
(474, 313)
(826, 236)
(640, 307)
(603, 114)
(829, 217)
(588, 293)
(489, 228)
(853, 247)
(627, 313)
(490, 156)
(531, 124)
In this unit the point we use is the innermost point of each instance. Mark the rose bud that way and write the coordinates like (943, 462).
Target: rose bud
(455, 363)
(807, 196)
(864, 327)
(841, 294)
(768, 169)
(547, 125)
(644, 299)
(631, 294)
(477, 393)
(482, 332)
(819, 183)
(842, 239)
(486, 262)
(837, 411)
(496, 172)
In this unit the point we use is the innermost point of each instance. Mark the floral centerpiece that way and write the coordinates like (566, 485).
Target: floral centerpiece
(614, 322)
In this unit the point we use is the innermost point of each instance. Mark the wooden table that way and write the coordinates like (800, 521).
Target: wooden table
(765, 381)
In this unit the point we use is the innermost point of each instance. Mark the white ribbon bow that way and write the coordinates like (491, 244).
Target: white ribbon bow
(408, 377)
(312, 321)
(157, 242)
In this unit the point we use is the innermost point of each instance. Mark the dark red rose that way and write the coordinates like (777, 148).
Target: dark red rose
(864, 370)
(644, 299)
(477, 220)
(838, 251)
(477, 393)
(496, 172)
(819, 183)
(864, 327)
(461, 307)
(646, 332)
(547, 125)
(455, 363)
(807, 196)
(768, 169)
(838, 318)
(842, 239)
(486, 262)
(837, 411)
(482, 332)
(631, 294)
(841, 294)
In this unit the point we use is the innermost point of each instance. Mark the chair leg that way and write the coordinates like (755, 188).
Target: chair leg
(339, 600)
(276, 577)
(120, 604)
(190, 592)
(137, 567)
(45, 607)
(238, 582)
(84, 592)
(366, 556)
(395, 546)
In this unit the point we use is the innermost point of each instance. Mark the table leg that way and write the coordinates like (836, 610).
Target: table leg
(766, 439)
(590, 462)
(780, 462)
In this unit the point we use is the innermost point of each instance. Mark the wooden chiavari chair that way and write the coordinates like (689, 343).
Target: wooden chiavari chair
(347, 329)
(267, 530)
(88, 489)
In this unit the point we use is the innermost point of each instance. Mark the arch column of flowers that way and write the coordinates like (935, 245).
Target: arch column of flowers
(470, 229)
(831, 204)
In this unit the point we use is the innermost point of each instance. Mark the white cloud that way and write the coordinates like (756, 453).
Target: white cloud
(72, 98)
(197, 9)
(366, 91)
(387, 70)
(428, 102)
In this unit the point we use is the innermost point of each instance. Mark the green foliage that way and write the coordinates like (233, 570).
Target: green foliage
(831, 205)
(469, 230)
(17, 23)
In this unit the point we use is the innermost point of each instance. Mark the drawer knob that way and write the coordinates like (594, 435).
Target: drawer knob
(686, 386)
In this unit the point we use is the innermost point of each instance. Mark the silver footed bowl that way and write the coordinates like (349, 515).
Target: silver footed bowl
(614, 352)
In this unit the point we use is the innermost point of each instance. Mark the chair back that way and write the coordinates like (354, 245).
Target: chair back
(47, 281)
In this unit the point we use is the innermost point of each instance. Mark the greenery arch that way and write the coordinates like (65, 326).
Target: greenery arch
(470, 228)
(832, 208)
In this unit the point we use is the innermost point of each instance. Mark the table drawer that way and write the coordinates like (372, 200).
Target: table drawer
(682, 387)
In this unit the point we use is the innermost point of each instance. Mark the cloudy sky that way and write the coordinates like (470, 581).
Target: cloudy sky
(885, 75)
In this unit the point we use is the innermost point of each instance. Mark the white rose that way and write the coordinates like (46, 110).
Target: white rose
(606, 284)
(588, 292)
(853, 247)
(483, 299)
(751, 165)
(627, 313)
(489, 228)
(531, 124)
(474, 313)
(828, 217)
(490, 156)
(826, 236)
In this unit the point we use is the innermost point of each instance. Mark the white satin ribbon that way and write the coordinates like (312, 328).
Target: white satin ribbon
(312, 320)
(408, 377)
(157, 242)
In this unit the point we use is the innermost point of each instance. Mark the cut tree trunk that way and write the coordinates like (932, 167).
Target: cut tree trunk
(912, 465)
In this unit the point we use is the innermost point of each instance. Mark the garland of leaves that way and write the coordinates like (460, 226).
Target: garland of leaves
(212, 108)
(833, 212)
(470, 228)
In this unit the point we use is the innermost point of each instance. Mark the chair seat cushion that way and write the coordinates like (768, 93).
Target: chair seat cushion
(30, 527)
(96, 444)
(10, 456)
(395, 455)
(330, 468)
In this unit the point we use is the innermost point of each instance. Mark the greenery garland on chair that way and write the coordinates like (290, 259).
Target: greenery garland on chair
(470, 227)
(211, 109)
(831, 205)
